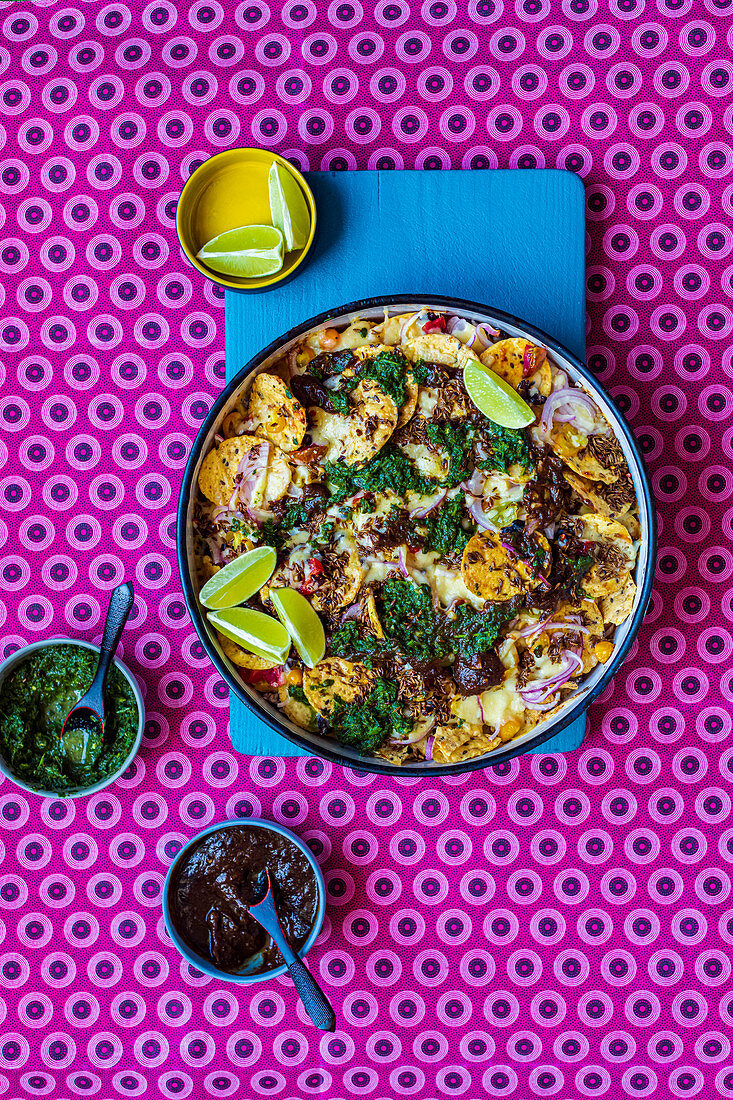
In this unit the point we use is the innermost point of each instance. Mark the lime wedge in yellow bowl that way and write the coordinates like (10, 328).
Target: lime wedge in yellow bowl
(288, 208)
(302, 624)
(495, 398)
(247, 251)
(239, 579)
(254, 631)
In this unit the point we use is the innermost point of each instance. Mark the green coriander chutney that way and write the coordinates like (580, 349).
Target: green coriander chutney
(35, 698)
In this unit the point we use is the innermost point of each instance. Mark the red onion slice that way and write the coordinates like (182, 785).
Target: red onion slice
(538, 690)
(350, 613)
(460, 328)
(560, 405)
(418, 513)
(252, 471)
(475, 484)
(571, 628)
(540, 706)
(487, 332)
(476, 510)
(402, 561)
(406, 324)
(429, 748)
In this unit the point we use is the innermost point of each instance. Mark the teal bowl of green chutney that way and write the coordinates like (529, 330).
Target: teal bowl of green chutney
(39, 684)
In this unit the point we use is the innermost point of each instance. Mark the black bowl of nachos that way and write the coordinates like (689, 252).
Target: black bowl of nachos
(478, 586)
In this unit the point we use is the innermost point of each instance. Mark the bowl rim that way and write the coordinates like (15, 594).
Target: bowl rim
(202, 964)
(9, 662)
(329, 749)
(264, 282)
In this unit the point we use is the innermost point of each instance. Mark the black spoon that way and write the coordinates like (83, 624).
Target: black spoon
(82, 733)
(264, 911)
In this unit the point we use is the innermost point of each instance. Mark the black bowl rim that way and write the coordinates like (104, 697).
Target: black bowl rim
(330, 748)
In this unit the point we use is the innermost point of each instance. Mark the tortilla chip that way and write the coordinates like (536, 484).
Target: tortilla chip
(301, 713)
(631, 522)
(605, 577)
(597, 458)
(368, 614)
(438, 347)
(218, 473)
(335, 678)
(241, 657)
(610, 500)
(464, 741)
(617, 607)
(341, 582)
(356, 438)
(407, 410)
(281, 415)
(506, 358)
(491, 572)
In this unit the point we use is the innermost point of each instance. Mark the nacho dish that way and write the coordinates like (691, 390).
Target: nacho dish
(468, 576)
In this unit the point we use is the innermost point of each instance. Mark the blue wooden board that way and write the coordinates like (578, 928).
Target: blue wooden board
(514, 240)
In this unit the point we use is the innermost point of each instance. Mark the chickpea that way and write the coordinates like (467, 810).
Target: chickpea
(294, 677)
(510, 729)
(328, 339)
(603, 651)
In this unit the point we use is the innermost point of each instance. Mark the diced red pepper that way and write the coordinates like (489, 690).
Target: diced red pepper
(436, 324)
(271, 676)
(533, 358)
(315, 567)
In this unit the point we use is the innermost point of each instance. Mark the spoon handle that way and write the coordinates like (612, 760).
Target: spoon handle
(312, 996)
(120, 605)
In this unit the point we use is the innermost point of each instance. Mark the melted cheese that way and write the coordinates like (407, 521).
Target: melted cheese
(427, 399)
(447, 584)
(330, 430)
(428, 463)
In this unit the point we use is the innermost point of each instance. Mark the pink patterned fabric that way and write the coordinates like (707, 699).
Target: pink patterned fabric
(560, 925)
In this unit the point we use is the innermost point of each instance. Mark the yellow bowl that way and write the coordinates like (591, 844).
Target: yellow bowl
(226, 191)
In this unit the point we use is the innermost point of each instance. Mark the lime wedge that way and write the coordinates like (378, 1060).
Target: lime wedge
(495, 398)
(240, 579)
(301, 623)
(254, 631)
(288, 207)
(248, 251)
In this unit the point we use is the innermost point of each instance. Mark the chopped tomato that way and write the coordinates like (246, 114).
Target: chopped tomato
(532, 360)
(273, 677)
(314, 569)
(435, 324)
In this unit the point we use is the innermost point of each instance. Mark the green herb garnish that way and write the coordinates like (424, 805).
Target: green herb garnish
(457, 441)
(409, 619)
(474, 632)
(351, 640)
(445, 530)
(389, 469)
(421, 371)
(340, 401)
(508, 446)
(388, 370)
(34, 701)
(366, 725)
